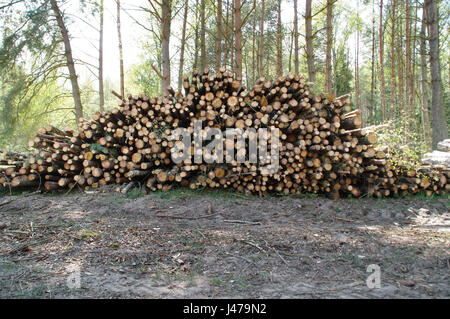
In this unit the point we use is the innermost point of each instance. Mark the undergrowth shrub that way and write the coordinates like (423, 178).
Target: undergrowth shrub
(405, 145)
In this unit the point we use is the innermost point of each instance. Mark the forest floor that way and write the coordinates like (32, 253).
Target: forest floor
(186, 244)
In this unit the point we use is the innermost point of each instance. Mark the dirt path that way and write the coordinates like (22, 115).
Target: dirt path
(183, 246)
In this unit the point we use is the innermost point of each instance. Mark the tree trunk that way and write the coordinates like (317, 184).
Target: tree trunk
(309, 43)
(232, 36)
(227, 34)
(238, 37)
(381, 44)
(296, 61)
(401, 80)
(393, 88)
(183, 45)
(372, 83)
(408, 88)
(196, 32)
(413, 68)
(254, 46)
(202, 35)
(438, 115)
(119, 32)
(424, 77)
(279, 43)
(70, 63)
(291, 47)
(357, 84)
(261, 41)
(329, 43)
(100, 61)
(219, 36)
(166, 6)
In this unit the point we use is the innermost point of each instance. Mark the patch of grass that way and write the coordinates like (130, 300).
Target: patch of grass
(303, 196)
(135, 193)
(218, 281)
(176, 193)
(116, 200)
(424, 196)
(88, 234)
(242, 283)
(354, 258)
(225, 194)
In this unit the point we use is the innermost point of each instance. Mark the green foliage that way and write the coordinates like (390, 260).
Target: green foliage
(30, 57)
(405, 146)
(26, 105)
(344, 75)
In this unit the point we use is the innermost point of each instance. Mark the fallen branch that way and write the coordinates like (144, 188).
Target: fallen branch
(242, 222)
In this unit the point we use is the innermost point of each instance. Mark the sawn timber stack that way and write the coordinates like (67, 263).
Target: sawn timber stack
(323, 149)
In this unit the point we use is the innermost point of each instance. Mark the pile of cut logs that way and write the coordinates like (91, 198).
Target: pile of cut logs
(323, 147)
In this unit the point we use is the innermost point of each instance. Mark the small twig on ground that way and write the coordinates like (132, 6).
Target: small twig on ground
(276, 252)
(251, 244)
(242, 222)
(183, 217)
(73, 186)
(344, 220)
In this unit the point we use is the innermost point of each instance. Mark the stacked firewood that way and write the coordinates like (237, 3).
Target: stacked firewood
(323, 147)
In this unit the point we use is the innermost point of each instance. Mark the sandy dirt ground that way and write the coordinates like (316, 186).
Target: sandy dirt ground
(212, 245)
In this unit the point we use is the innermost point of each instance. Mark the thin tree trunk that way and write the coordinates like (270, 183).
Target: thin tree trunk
(279, 42)
(413, 69)
(261, 41)
(196, 36)
(393, 87)
(246, 68)
(203, 35)
(408, 91)
(100, 61)
(254, 46)
(372, 83)
(438, 115)
(291, 47)
(238, 37)
(296, 61)
(226, 34)
(424, 77)
(400, 63)
(166, 7)
(70, 63)
(383, 98)
(183, 44)
(119, 32)
(329, 42)
(309, 43)
(358, 102)
(232, 36)
(219, 36)
(334, 66)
